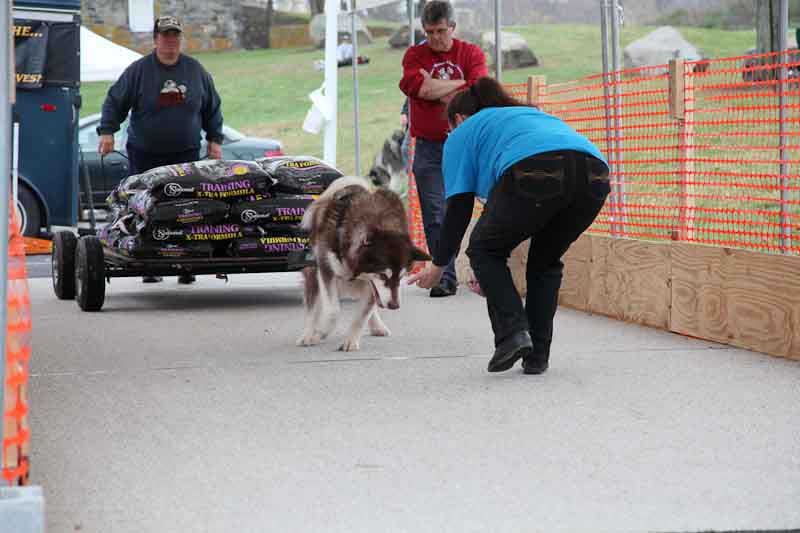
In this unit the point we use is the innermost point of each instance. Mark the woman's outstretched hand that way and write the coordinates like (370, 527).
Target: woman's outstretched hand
(472, 282)
(475, 287)
(427, 278)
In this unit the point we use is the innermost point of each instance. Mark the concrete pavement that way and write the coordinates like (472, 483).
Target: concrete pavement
(189, 409)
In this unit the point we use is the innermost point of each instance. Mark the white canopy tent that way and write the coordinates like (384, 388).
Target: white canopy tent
(331, 66)
(101, 59)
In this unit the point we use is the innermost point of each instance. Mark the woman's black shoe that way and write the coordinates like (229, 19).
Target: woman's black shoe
(535, 363)
(510, 350)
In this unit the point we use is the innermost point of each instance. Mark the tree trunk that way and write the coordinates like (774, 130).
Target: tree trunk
(316, 6)
(268, 30)
(767, 26)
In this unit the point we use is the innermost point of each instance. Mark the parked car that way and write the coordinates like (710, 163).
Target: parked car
(107, 172)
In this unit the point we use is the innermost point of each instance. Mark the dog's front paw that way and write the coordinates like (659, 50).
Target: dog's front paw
(380, 331)
(309, 340)
(350, 345)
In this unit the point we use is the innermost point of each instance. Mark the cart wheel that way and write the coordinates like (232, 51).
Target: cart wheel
(90, 273)
(63, 270)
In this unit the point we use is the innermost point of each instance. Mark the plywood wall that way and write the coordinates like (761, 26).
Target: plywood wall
(737, 297)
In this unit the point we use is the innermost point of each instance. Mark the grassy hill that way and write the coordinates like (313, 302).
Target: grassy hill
(264, 91)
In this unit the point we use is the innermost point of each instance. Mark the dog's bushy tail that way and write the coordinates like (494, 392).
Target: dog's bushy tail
(336, 186)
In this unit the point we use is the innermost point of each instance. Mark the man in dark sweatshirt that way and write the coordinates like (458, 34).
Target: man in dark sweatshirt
(171, 98)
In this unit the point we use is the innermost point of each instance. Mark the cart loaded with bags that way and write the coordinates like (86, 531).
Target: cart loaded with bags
(208, 217)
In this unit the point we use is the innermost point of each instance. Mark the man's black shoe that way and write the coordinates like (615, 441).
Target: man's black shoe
(445, 287)
(517, 345)
(186, 279)
(151, 279)
(535, 363)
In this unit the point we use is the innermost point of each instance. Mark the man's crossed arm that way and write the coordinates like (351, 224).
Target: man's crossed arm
(435, 89)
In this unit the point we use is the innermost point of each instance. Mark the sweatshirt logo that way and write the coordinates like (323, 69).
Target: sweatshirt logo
(172, 94)
(447, 71)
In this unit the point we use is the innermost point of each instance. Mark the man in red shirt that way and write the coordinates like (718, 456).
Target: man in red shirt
(433, 72)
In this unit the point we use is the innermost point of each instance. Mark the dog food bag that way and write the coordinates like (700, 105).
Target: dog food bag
(208, 179)
(299, 175)
(269, 241)
(269, 246)
(193, 233)
(109, 236)
(282, 209)
(135, 246)
(122, 224)
(141, 249)
(177, 212)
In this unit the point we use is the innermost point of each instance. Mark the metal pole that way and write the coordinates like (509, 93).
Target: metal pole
(411, 42)
(331, 79)
(604, 7)
(15, 169)
(783, 27)
(354, 34)
(411, 16)
(498, 52)
(6, 68)
(616, 62)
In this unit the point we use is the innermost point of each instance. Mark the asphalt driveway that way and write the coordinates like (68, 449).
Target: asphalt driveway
(189, 408)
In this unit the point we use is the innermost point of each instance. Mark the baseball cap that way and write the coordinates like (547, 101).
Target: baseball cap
(167, 23)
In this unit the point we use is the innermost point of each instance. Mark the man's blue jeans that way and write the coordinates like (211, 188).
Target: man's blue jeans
(430, 187)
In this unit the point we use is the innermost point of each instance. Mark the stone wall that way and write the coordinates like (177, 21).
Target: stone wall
(208, 24)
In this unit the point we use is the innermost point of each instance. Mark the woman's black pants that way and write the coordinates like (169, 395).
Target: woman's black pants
(551, 198)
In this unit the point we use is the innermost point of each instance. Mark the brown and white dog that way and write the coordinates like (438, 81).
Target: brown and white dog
(362, 249)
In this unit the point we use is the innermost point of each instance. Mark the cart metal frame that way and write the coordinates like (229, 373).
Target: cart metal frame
(83, 266)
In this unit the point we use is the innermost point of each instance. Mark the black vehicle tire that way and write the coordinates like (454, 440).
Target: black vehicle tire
(90, 274)
(63, 269)
(30, 213)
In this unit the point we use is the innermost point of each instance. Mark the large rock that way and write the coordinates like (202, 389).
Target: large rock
(399, 39)
(316, 29)
(514, 50)
(762, 68)
(469, 35)
(658, 47)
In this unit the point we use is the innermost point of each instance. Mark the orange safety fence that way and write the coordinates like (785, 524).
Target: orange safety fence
(415, 226)
(16, 438)
(34, 246)
(701, 151)
(707, 153)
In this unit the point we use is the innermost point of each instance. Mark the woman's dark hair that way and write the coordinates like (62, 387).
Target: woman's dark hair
(485, 92)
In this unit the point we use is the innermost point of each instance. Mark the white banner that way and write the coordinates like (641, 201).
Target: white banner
(141, 15)
(367, 4)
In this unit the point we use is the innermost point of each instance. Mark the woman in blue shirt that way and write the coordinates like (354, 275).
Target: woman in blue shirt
(541, 180)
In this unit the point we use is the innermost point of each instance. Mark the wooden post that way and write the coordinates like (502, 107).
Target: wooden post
(681, 91)
(677, 105)
(537, 87)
